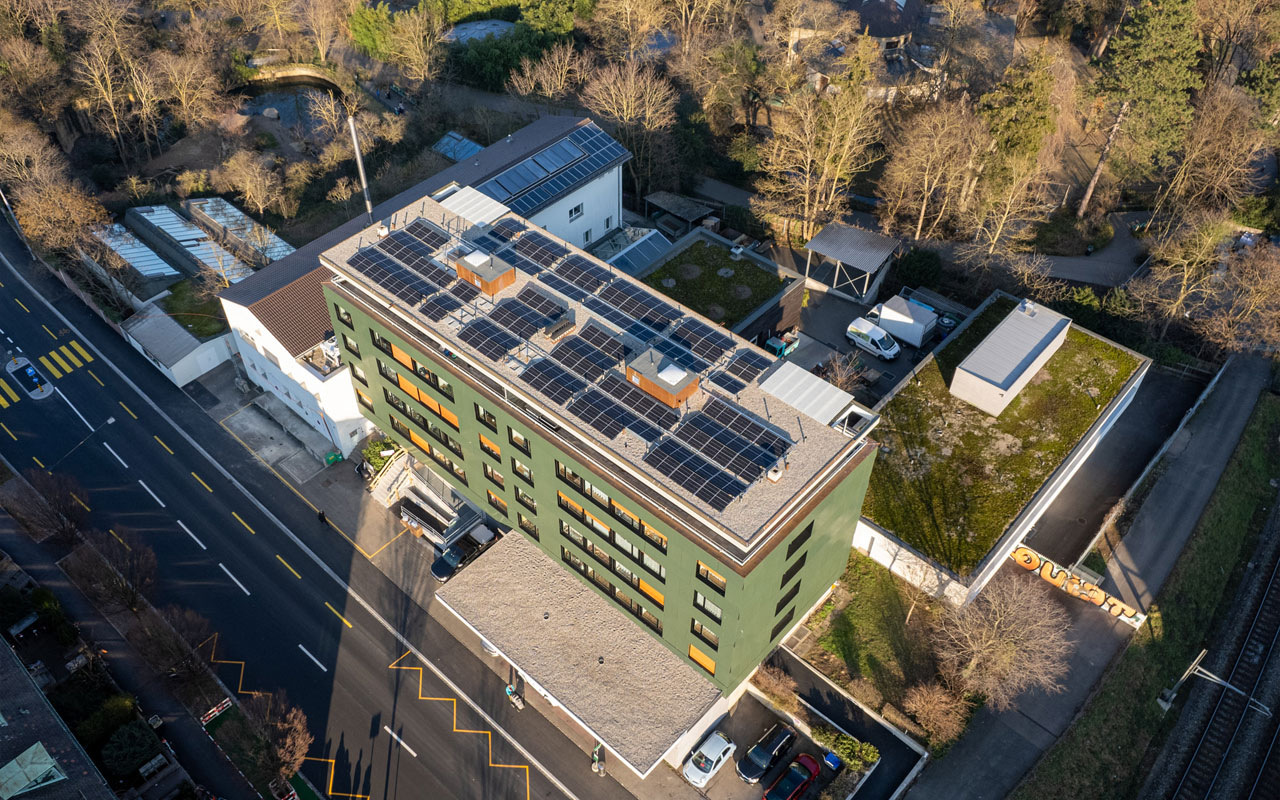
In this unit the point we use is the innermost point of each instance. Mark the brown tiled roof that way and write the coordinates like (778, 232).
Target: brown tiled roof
(296, 313)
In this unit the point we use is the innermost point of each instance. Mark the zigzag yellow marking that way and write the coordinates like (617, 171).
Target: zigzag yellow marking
(333, 768)
(213, 659)
(454, 702)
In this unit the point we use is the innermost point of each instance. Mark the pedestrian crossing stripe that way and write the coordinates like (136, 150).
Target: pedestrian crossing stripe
(52, 369)
(63, 360)
(54, 355)
(13, 396)
(83, 353)
(71, 356)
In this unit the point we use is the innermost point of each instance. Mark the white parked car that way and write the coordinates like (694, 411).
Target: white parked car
(707, 760)
(870, 337)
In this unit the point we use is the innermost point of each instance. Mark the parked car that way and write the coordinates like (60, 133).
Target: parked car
(707, 760)
(461, 553)
(799, 776)
(766, 752)
(870, 337)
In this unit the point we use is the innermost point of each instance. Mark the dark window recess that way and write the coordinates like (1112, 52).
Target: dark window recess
(705, 634)
(344, 316)
(527, 525)
(793, 570)
(351, 345)
(379, 341)
(787, 598)
(519, 440)
(799, 541)
(782, 624)
(484, 416)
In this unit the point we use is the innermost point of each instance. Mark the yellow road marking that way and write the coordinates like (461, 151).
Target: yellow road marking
(78, 500)
(52, 369)
(162, 444)
(286, 563)
(33, 458)
(202, 483)
(135, 416)
(332, 770)
(24, 308)
(95, 377)
(54, 355)
(255, 533)
(213, 652)
(4, 403)
(12, 394)
(6, 430)
(388, 544)
(71, 356)
(118, 539)
(51, 333)
(336, 614)
(83, 353)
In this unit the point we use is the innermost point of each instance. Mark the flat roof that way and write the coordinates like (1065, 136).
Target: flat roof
(134, 252)
(194, 241)
(1015, 342)
(614, 678)
(162, 336)
(711, 454)
(236, 223)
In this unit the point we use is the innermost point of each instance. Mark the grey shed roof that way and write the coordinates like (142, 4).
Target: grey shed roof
(807, 393)
(638, 702)
(1009, 349)
(161, 335)
(683, 207)
(852, 246)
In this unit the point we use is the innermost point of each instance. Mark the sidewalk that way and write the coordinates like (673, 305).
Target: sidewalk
(1113, 265)
(193, 748)
(1000, 748)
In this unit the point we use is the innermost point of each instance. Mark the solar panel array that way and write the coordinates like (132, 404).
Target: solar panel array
(438, 307)
(703, 339)
(517, 317)
(562, 286)
(737, 420)
(584, 274)
(604, 341)
(640, 304)
(488, 339)
(428, 234)
(540, 249)
(464, 291)
(742, 457)
(583, 357)
(552, 380)
(748, 365)
(411, 252)
(529, 185)
(687, 469)
(727, 382)
(541, 302)
(385, 272)
(681, 356)
(610, 418)
(639, 401)
(507, 229)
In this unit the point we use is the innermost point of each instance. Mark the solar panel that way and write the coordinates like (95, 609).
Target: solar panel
(428, 234)
(558, 156)
(550, 379)
(488, 243)
(517, 317)
(383, 271)
(415, 255)
(583, 358)
(602, 152)
(638, 401)
(727, 382)
(520, 262)
(695, 474)
(737, 420)
(583, 273)
(612, 314)
(464, 291)
(681, 356)
(703, 339)
(540, 302)
(562, 286)
(520, 177)
(610, 418)
(604, 341)
(717, 443)
(748, 364)
(440, 306)
(506, 229)
(541, 249)
(488, 339)
(640, 303)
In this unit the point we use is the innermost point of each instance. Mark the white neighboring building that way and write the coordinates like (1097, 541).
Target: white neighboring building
(280, 327)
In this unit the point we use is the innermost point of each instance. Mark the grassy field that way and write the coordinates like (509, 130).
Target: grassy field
(202, 318)
(700, 287)
(1106, 754)
(1064, 235)
(954, 477)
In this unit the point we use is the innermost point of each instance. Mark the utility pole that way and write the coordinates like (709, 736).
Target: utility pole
(364, 184)
(1168, 695)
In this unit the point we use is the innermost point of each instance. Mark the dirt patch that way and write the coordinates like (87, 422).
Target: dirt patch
(715, 312)
(742, 292)
(690, 271)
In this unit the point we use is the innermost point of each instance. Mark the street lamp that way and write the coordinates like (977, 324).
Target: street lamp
(1167, 697)
(109, 421)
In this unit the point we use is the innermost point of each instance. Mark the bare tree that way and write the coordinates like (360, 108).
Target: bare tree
(285, 727)
(559, 71)
(691, 20)
(133, 567)
(1243, 313)
(104, 80)
(190, 84)
(416, 42)
(845, 372)
(624, 27)
(57, 215)
(1183, 264)
(32, 77)
(930, 162)
(803, 29)
(640, 104)
(940, 711)
(26, 154)
(56, 504)
(1011, 639)
(329, 113)
(1237, 32)
(146, 96)
(248, 174)
(342, 192)
(322, 19)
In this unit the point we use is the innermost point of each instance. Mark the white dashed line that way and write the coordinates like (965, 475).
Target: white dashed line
(316, 660)
(118, 458)
(234, 578)
(153, 494)
(392, 734)
(192, 535)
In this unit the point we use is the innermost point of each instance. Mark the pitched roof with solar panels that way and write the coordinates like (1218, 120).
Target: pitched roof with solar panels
(649, 385)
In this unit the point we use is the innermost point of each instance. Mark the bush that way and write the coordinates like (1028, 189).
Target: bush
(94, 732)
(1260, 211)
(743, 149)
(487, 63)
(264, 141)
(370, 27)
(130, 747)
(778, 686)
(856, 755)
(372, 452)
(740, 218)
(1065, 235)
(920, 267)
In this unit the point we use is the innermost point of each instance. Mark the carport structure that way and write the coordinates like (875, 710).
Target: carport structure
(852, 261)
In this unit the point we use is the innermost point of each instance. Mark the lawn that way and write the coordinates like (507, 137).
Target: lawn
(950, 478)
(698, 284)
(1064, 235)
(1105, 755)
(203, 318)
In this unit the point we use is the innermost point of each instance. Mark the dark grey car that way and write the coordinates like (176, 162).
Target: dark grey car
(457, 556)
(765, 753)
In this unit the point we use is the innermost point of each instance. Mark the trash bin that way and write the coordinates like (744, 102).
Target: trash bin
(332, 458)
(833, 761)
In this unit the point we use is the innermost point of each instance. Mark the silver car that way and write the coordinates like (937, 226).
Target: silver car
(707, 760)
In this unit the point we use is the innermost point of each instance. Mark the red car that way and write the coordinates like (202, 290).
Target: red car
(800, 775)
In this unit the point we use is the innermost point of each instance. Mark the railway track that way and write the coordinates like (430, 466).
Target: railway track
(1205, 767)
(1267, 785)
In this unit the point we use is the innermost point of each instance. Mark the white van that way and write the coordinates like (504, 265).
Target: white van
(872, 338)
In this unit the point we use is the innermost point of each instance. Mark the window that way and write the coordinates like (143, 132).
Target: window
(575, 212)
(702, 659)
(793, 570)
(706, 634)
(787, 598)
(401, 356)
(433, 380)
(491, 449)
(781, 627)
(387, 372)
(712, 578)
(495, 476)
(527, 525)
(381, 342)
(518, 440)
(364, 399)
(799, 541)
(653, 536)
(525, 499)
(586, 236)
(652, 593)
(344, 316)
(609, 589)
(522, 470)
(359, 375)
(420, 396)
(484, 415)
(497, 502)
(700, 600)
(608, 222)
(351, 345)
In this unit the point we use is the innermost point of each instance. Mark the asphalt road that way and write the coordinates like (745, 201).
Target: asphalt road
(270, 578)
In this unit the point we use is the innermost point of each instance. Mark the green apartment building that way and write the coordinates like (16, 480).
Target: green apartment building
(641, 447)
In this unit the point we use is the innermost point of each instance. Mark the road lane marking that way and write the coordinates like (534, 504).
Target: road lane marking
(61, 364)
(286, 566)
(336, 614)
(24, 308)
(52, 369)
(192, 535)
(153, 494)
(6, 430)
(245, 524)
(3, 403)
(162, 444)
(202, 483)
(51, 333)
(126, 408)
(78, 414)
(9, 391)
(114, 453)
(71, 356)
(78, 500)
(399, 741)
(83, 353)
(234, 578)
(322, 667)
(96, 378)
(33, 458)
(121, 541)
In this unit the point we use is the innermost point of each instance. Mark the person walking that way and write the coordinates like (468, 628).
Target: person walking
(323, 519)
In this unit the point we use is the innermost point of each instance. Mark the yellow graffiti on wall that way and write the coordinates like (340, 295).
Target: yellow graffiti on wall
(1052, 572)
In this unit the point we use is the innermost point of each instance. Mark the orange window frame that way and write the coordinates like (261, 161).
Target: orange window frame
(702, 659)
(401, 356)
